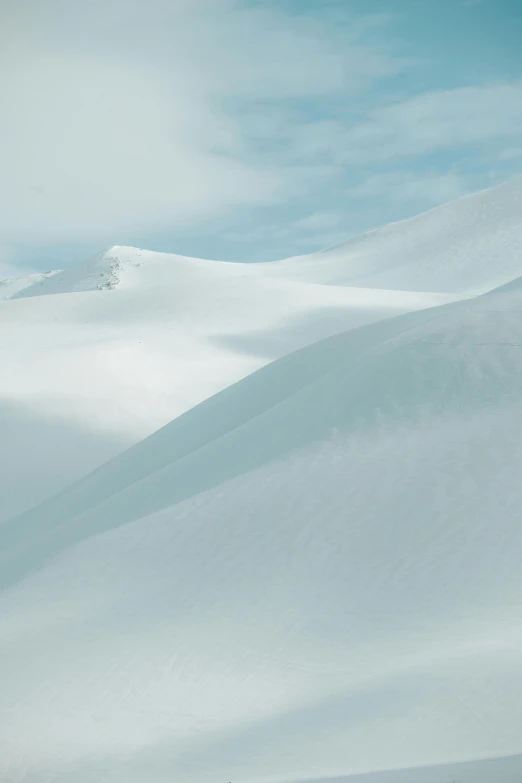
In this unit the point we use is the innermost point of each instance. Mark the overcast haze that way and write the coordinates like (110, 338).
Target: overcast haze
(246, 130)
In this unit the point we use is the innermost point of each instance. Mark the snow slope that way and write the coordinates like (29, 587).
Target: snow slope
(314, 573)
(172, 332)
(470, 245)
(313, 570)
(103, 353)
(13, 286)
(135, 338)
(103, 368)
(106, 352)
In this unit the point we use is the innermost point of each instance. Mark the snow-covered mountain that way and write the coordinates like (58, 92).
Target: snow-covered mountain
(100, 355)
(469, 246)
(312, 573)
(13, 286)
(103, 353)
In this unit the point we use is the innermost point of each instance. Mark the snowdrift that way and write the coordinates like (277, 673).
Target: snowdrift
(470, 245)
(106, 352)
(10, 288)
(313, 572)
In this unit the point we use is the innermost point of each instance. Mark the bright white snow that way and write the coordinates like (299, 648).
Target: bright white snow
(114, 348)
(313, 573)
(13, 286)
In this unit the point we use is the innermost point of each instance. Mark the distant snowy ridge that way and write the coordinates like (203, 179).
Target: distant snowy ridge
(467, 246)
(113, 348)
(12, 286)
(97, 274)
(473, 244)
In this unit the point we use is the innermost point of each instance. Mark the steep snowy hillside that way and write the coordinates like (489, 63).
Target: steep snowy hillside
(103, 353)
(470, 245)
(314, 573)
(121, 344)
(12, 287)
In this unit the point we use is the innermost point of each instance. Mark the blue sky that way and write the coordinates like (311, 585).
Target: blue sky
(244, 130)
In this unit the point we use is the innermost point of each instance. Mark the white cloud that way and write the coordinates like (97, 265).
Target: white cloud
(406, 190)
(437, 120)
(469, 117)
(121, 115)
(126, 116)
(319, 220)
(8, 268)
(510, 153)
(426, 189)
(96, 147)
(319, 229)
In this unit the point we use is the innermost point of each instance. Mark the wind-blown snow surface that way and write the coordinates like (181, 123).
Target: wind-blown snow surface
(471, 245)
(13, 286)
(105, 352)
(314, 573)
(99, 355)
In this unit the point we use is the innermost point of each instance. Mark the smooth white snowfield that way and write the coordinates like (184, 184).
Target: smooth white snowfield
(312, 574)
(92, 371)
(11, 287)
(99, 355)
(470, 245)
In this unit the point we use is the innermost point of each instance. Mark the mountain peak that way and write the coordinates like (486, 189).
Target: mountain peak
(470, 245)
